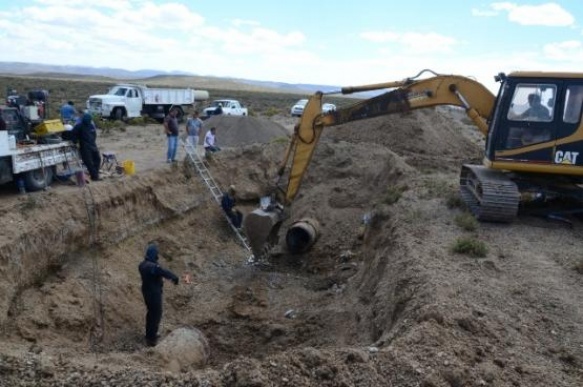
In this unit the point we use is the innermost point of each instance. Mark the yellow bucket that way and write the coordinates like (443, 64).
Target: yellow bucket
(129, 167)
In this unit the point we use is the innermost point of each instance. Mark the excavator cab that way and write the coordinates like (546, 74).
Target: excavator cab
(532, 156)
(536, 127)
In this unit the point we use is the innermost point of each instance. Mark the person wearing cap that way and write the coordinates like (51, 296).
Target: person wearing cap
(85, 134)
(152, 275)
(228, 203)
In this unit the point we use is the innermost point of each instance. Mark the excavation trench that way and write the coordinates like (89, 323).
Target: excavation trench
(61, 292)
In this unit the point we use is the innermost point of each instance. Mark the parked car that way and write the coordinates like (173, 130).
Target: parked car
(298, 109)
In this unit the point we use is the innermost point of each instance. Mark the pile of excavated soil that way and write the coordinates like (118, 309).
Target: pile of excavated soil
(378, 303)
(414, 137)
(235, 131)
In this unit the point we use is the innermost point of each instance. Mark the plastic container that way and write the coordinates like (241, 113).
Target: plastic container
(129, 167)
(49, 127)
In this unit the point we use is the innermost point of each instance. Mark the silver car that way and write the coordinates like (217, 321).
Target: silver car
(298, 109)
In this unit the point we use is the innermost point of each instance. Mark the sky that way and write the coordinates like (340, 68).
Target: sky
(340, 43)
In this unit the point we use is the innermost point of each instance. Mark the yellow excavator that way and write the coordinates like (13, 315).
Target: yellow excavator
(533, 151)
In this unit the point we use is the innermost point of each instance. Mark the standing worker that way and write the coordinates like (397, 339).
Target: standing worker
(193, 127)
(85, 134)
(171, 130)
(152, 285)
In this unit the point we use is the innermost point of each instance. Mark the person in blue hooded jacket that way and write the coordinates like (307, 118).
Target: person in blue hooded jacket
(152, 283)
(85, 134)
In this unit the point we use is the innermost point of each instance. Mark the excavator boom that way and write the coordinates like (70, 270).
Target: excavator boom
(405, 96)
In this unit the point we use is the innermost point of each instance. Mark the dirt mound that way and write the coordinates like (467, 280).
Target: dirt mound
(235, 131)
(424, 138)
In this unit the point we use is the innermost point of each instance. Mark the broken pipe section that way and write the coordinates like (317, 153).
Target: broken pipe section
(302, 235)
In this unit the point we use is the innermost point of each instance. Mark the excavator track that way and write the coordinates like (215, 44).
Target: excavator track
(489, 194)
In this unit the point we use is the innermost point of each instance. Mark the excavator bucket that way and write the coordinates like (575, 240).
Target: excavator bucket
(261, 228)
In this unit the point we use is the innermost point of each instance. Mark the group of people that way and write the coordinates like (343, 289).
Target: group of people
(193, 129)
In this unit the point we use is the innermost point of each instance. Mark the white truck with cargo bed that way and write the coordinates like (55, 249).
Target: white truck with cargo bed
(127, 100)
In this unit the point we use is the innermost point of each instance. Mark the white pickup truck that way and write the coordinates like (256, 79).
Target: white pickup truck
(229, 107)
(128, 100)
(31, 164)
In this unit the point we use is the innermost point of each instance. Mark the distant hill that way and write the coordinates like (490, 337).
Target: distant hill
(158, 76)
(20, 68)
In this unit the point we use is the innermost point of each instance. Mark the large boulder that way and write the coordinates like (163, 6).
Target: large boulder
(184, 348)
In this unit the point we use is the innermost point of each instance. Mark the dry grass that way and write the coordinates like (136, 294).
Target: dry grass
(466, 221)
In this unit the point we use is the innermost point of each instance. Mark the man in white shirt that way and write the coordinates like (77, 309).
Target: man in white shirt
(210, 141)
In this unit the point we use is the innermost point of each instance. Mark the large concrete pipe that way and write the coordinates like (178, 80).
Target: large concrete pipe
(301, 235)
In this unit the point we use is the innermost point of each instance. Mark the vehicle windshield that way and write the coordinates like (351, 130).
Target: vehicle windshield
(217, 103)
(533, 102)
(121, 91)
(302, 102)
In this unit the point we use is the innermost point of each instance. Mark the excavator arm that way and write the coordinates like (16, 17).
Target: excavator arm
(262, 225)
(405, 95)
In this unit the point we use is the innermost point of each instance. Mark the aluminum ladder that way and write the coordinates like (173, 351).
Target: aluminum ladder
(217, 194)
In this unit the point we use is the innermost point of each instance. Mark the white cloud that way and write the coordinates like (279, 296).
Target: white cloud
(570, 51)
(413, 41)
(483, 13)
(143, 35)
(241, 22)
(548, 14)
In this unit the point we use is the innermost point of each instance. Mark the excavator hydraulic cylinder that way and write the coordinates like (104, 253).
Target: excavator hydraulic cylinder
(301, 235)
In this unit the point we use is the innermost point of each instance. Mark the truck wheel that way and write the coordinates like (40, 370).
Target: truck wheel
(119, 114)
(36, 180)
